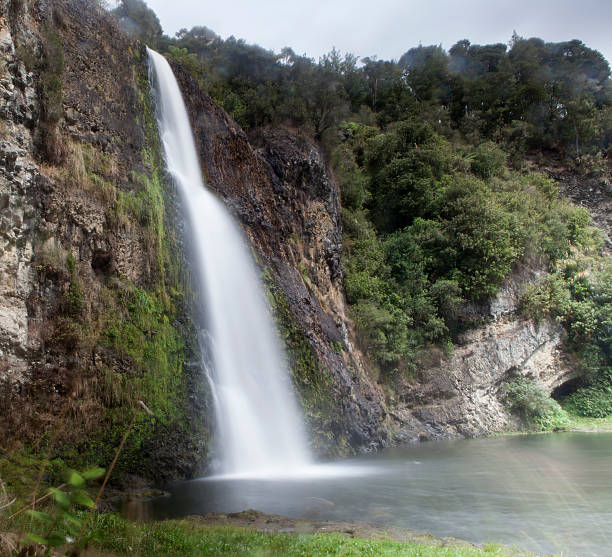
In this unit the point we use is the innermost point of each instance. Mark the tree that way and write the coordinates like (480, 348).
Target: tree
(139, 21)
(426, 71)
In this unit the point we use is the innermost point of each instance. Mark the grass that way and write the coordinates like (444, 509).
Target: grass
(183, 538)
(590, 424)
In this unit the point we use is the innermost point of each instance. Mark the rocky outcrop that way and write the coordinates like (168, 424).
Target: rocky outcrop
(19, 178)
(463, 394)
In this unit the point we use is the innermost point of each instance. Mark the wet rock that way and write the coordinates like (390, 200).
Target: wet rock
(278, 185)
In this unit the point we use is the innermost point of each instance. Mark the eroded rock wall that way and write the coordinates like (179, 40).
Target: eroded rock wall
(92, 297)
(278, 187)
(19, 177)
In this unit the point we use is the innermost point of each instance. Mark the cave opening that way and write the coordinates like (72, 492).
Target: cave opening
(567, 388)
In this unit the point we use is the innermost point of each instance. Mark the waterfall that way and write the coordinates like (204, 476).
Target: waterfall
(259, 427)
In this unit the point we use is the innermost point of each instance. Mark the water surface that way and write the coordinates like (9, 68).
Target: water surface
(546, 493)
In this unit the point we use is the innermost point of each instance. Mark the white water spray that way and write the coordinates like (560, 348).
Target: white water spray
(259, 426)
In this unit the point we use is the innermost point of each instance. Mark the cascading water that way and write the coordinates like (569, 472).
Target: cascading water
(259, 426)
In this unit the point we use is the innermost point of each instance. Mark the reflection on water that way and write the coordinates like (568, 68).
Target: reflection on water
(546, 493)
(138, 510)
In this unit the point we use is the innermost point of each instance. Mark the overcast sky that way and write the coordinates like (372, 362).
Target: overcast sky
(388, 28)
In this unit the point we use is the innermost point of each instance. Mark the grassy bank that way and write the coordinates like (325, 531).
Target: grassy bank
(118, 536)
(580, 423)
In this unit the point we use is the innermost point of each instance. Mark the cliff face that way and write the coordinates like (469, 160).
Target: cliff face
(91, 297)
(282, 194)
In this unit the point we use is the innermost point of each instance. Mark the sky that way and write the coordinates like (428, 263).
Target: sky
(388, 28)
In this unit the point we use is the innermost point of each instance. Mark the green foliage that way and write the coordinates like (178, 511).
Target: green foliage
(139, 21)
(405, 167)
(594, 401)
(488, 160)
(427, 69)
(548, 297)
(382, 329)
(531, 403)
(531, 96)
(579, 295)
(61, 524)
(424, 232)
(187, 59)
(139, 327)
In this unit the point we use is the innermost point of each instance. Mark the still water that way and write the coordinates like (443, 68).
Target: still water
(545, 493)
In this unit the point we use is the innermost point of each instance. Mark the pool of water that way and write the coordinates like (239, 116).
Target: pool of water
(546, 493)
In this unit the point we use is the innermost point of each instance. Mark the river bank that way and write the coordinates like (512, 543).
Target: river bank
(254, 533)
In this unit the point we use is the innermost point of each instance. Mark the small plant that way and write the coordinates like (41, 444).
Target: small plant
(533, 405)
(62, 525)
(548, 297)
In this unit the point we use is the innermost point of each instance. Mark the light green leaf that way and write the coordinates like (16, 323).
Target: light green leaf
(93, 473)
(39, 515)
(60, 497)
(76, 479)
(84, 500)
(70, 519)
(36, 539)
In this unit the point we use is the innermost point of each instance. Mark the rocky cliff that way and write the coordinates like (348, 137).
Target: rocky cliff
(91, 292)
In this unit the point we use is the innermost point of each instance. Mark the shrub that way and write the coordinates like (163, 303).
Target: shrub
(382, 331)
(594, 400)
(548, 297)
(531, 403)
(488, 160)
